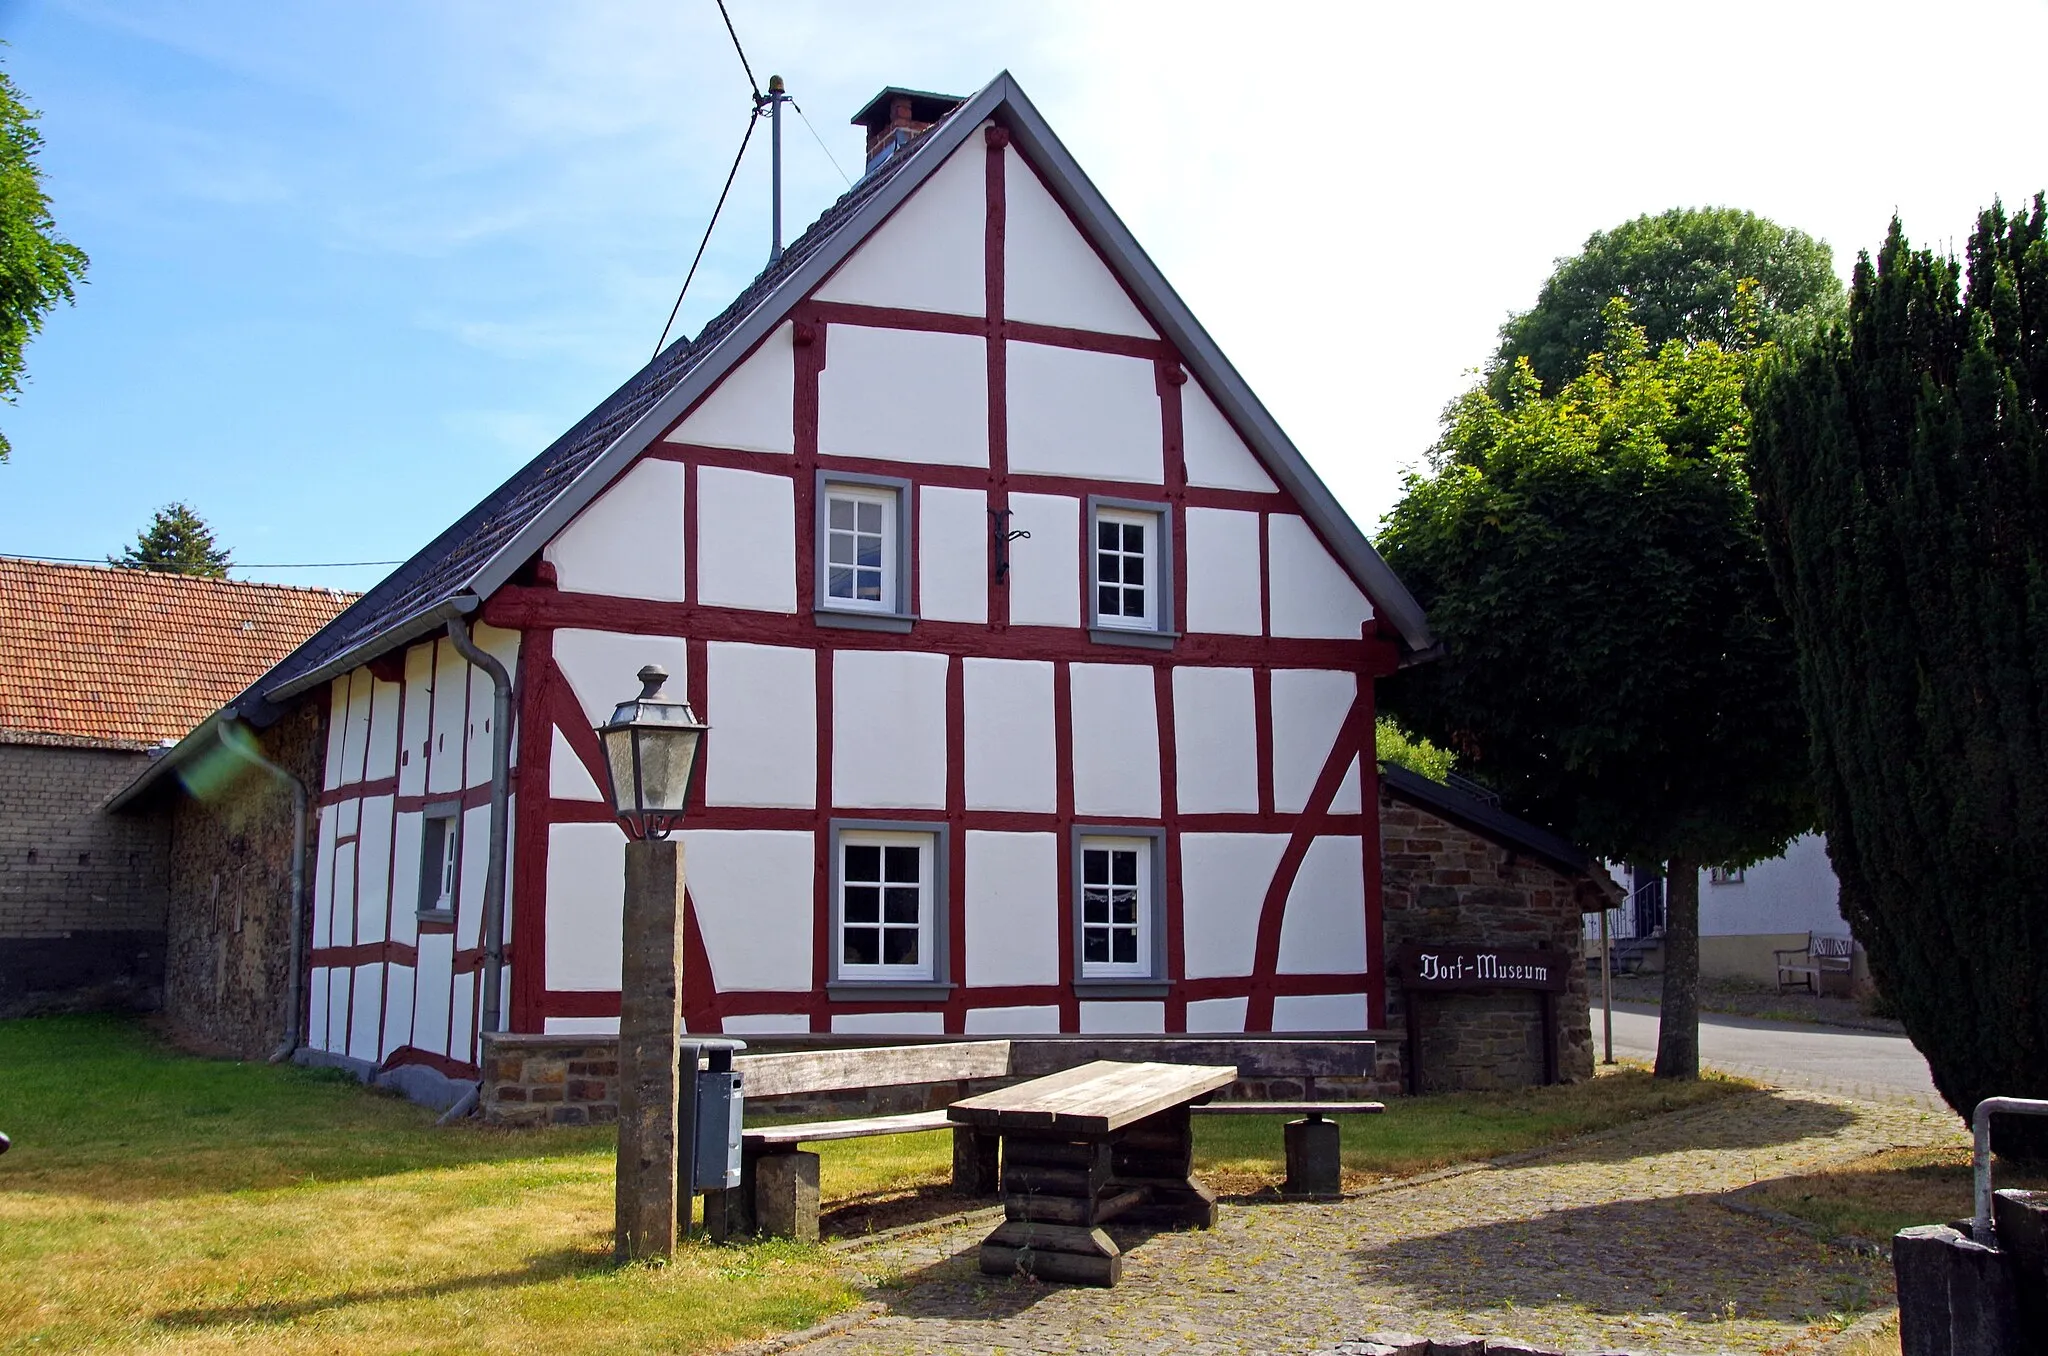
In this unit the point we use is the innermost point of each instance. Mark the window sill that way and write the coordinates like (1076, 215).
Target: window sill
(444, 918)
(1122, 988)
(897, 622)
(889, 990)
(1144, 640)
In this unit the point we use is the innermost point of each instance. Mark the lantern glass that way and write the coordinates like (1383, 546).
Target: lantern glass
(651, 745)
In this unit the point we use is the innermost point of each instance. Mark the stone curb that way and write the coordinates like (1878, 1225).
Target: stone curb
(838, 1323)
(928, 1226)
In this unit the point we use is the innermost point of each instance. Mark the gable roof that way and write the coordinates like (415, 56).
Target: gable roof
(453, 573)
(1489, 821)
(120, 658)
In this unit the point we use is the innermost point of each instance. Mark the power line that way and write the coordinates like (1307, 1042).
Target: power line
(233, 564)
(820, 140)
(730, 175)
(741, 50)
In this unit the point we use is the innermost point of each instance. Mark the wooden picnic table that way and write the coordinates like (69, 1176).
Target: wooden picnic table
(1087, 1145)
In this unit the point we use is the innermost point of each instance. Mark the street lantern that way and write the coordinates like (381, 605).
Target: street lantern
(651, 745)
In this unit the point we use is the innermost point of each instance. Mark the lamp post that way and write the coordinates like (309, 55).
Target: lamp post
(651, 745)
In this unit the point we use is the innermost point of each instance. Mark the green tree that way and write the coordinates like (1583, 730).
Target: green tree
(1392, 744)
(1681, 273)
(1615, 663)
(1901, 466)
(177, 541)
(38, 267)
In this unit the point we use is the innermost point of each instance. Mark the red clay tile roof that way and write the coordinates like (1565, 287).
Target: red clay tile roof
(93, 654)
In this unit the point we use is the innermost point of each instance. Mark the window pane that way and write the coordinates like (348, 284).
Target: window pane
(863, 903)
(1106, 536)
(1108, 568)
(903, 865)
(1095, 906)
(1134, 570)
(1134, 538)
(901, 903)
(839, 582)
(839, 548)
(1125, 865)
(1095, 866)
(1126, 947)
(870, 587)
(870, 516)
(863, 946)
(1095, 944)
(863, 861)
(1126, 907)
(1108, 599)
(842, 514)
(899, 946)
(870, 553)
(1134, 602)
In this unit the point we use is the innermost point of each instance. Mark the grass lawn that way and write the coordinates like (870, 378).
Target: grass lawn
(1873, 1198)
(155, 1201)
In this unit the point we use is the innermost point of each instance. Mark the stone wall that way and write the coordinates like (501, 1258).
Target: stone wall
(228, 964)
(82, 892)
(1444, 884)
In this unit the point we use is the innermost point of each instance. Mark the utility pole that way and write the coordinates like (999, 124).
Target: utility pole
(773, 100)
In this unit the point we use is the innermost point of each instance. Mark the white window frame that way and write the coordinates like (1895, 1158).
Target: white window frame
(891, 611)
(1725, 875)
(1148, 969)
(440, 881)
(929, 841)
(1155, 626)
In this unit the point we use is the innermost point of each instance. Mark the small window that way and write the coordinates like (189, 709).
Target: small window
(440, 859)
(1725, 875)
(887, 893)
(1130, 587)
(1116, 915)
(863, 552)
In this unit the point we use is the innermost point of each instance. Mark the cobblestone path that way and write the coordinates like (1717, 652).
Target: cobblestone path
(1611, 1242)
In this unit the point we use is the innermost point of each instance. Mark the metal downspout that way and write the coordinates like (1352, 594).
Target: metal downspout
(494, 870)
(294, 989)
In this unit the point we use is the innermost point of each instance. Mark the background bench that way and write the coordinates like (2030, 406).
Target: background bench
(1820, 956)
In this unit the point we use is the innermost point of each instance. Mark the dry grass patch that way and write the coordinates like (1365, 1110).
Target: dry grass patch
(1873, 1198)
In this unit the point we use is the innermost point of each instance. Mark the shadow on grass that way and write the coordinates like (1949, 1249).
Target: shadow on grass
(1756, 1120)
(855, 1217)
(955, 1287)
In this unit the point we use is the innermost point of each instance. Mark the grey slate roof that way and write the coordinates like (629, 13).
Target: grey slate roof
(1487, 820)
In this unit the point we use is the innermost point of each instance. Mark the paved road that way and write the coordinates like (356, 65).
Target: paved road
(1791, 1054)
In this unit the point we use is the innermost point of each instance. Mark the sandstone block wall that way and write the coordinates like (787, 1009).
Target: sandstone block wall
(82, 892)
(1443, 883)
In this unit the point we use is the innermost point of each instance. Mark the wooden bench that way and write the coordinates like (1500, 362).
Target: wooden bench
(778, 1192)
(1820, 956)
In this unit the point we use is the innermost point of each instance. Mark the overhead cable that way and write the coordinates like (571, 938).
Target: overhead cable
(755, 84)
(820, 140)
(730, 175)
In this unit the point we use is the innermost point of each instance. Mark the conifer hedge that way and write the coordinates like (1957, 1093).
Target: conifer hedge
(1900, 464)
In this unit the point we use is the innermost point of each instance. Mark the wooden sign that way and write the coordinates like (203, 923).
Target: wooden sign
(1484, 967)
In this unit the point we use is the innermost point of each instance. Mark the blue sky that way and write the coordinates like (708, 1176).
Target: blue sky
(354, 263)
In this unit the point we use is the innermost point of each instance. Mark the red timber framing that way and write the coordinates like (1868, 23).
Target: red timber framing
(547, 704)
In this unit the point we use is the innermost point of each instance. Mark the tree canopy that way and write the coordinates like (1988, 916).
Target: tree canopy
(177, 541)
(1680, 273)
(1901, 466)
(1616, 664)
(1392, 744)
(38, 267)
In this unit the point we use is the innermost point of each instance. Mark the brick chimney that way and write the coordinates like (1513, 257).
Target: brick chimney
(894, 116)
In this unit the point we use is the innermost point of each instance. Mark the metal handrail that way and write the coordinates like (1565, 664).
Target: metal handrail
(1980, 1155)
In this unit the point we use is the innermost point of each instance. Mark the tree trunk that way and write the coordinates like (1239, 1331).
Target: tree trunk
(1678, 1027)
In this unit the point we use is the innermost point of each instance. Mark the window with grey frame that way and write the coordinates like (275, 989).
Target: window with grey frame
(1130, 572)
(1119, 906)
(889, 906)
(864, 552)
(440, 860)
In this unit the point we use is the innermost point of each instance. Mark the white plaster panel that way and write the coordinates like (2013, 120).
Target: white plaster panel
(344, 926)
(746, 540)
(418, 732)
(1217, 1014)
(1051, 274)
(763, 699)
(866, 407)
(373, 868)
(1009, 737)
(430, 992)
(477, 734)
(1075, 412)
(1045, 570)
(347, 816)
(1796, 892)
(1135, 1019)
(386, 701)
(1116, 740)
(753, 893)
(1323, 930)
(451, 719)
(930, 254)
(628, 542)
(1313, 596)
(337, 727)
(339, 982)
(318, 981)
(768, 1024)
(892, 1023)
(1222, 564)
(397, 1008)
(586, 902)
(1013, 918)
(1217, 458)
(462, 1018)
(476, 859)
(952, 554)
(580, 1026)
(355, 740)
(1012, 1021)
(601, 667)
(1348, 800)
(405, 876)
(568, 778)
(754, 407)
(323, 877)
(366, 1002)
(1223, 883)
(1216, 744)
(1309, 706)
(1319, 1012)
(888, 730)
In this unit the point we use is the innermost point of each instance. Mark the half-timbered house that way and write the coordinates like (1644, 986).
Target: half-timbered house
(1038, 662)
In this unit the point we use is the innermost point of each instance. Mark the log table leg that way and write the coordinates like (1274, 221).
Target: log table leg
(1157, 1155)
